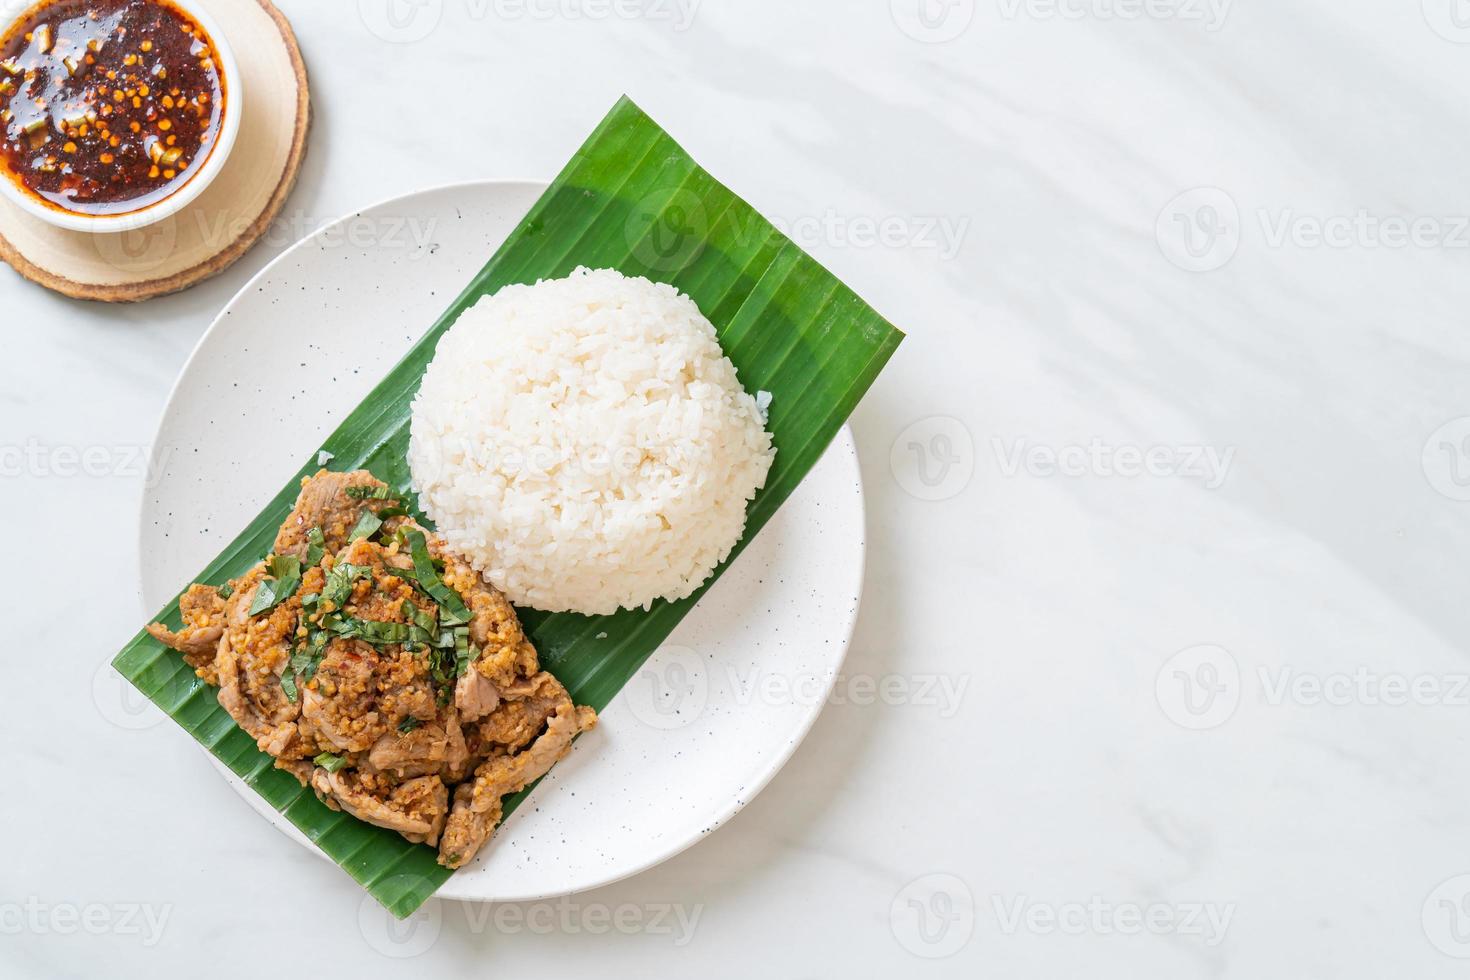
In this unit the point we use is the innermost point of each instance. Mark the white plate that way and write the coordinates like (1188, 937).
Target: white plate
(715, 713)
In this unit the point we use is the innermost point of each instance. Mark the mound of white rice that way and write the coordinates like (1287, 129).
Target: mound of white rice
(586, 444)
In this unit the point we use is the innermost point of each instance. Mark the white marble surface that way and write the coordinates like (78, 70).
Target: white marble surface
(1041, 792)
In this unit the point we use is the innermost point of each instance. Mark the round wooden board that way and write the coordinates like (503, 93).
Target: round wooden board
(210, 234)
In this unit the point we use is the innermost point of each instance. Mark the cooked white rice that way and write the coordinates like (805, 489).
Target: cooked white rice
(586, 443)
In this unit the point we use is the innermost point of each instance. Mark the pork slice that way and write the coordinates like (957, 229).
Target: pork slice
(203, 612)
(478, 805)
(416, 808)
(323, 503)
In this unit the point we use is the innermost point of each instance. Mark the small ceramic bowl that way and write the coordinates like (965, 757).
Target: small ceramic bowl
(187, 192)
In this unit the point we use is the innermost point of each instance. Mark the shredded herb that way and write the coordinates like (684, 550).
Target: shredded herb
(408, 725)
(330, 762)
(455, 612)
(464, 653)
(371, 631)
(288, 684)
(316, 547)
(285, 572)
(423, 626)
(226, 590)
(371, 493)
(367, 525)
(340, 580)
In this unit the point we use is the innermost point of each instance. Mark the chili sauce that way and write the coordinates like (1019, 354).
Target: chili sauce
(107, 106)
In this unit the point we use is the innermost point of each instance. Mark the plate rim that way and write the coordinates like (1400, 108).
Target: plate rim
(843, 442)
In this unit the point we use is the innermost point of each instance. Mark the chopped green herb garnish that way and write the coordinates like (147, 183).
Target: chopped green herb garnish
(340, 580)
(464, 652)
(226, 590)
(288, 684)
(408, 725)
(371, 631)
(316, 547)
(285, 579)
(426, 621)
(455, 611)
(371, 493)
(329, 762)
(367, 525)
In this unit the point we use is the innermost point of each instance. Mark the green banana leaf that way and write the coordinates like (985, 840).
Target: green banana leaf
(633, 200)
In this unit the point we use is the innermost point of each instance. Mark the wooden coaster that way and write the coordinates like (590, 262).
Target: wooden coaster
(213, 232)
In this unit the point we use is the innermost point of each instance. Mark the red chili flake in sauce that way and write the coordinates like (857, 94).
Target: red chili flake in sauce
(107, 106)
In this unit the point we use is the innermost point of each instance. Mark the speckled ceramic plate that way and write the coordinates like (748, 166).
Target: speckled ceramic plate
(713, 715)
